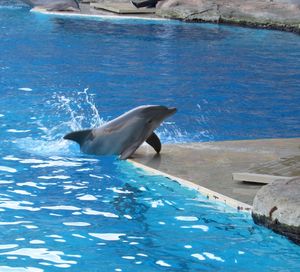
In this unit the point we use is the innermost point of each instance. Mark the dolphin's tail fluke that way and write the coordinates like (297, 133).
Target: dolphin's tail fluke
(79, 136)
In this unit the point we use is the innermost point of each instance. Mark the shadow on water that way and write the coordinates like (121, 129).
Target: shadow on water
(129, 204)
(155, 31)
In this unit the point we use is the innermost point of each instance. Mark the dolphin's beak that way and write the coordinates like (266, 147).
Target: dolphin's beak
(171, 111)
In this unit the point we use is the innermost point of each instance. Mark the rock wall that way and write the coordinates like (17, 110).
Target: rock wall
(277, 206)
(278, 14)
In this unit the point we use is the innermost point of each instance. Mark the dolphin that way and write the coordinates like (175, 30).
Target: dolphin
(123, 135)
(54, 5)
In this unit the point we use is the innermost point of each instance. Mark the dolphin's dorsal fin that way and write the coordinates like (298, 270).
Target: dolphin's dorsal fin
(80, 136)
(154, 141)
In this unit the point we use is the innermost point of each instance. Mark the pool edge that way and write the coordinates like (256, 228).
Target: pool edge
(210, 194)
(97, 16)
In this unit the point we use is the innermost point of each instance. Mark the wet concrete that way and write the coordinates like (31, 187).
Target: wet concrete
(211, 164)
(91, 9)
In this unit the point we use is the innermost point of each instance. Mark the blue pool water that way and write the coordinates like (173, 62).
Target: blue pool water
(61, 210)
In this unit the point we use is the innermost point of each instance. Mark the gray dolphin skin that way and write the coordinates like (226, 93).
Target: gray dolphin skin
(54, 5)
(123, 135)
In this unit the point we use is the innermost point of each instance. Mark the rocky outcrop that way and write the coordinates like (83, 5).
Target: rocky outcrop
(277, 206)
(277, 14)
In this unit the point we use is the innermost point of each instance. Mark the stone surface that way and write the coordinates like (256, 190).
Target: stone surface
(279, 14)
(275, 14)
(277, 206)
(211, 164)
(122, 8)
(284, 168)
(54, 5)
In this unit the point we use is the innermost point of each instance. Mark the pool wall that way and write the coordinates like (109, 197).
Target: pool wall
(209, 167)
(240, 206)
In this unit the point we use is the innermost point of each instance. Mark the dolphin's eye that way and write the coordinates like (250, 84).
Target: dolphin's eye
(150, 121)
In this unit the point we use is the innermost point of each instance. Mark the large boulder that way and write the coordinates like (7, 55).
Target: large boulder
(280, 14)
(277, 206)
(54, 5)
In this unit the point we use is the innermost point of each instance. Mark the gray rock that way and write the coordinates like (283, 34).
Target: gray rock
(277, 206)
(277, 14)
(54, 5)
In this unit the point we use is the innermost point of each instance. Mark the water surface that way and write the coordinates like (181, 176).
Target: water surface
(63, 210)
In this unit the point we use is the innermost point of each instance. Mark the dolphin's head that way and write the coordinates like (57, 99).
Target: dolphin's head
(154, 115)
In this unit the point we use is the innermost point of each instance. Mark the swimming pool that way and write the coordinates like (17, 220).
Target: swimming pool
(63, 210)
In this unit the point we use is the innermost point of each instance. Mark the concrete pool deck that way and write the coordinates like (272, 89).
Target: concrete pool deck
(208, 167)
(87, 10)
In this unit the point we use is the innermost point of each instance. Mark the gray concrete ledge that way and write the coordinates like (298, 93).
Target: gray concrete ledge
(86, 12)
(210, 194)
(210, 165)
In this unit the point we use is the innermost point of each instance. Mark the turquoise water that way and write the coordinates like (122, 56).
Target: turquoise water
(61, 210)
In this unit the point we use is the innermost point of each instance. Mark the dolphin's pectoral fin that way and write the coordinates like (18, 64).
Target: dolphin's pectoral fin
(80, 136)
(128, 152)
(154, 141)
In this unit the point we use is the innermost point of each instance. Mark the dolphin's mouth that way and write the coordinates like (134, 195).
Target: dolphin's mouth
(172, 111)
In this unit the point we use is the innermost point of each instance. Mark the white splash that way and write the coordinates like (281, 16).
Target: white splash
(87, 198)
(40, 254)
(56, 163)
(142, 254)
(61, 207)
(213, 257)
(198, 256)
(18, 205)
(11, 158)
(202, 227)
(21, 192)
(89, 211)
(7, 169)
(156, 203)
(54, 236)
(108, 236)
(20, 269)
(95, 176)
(77, 224)
(18, 130)
(31, 226)
(162, 263)
(25, 89)
(6, 182)
(74, 187)
(44, 146)
(36, 242)
(54, 177)
(78, 235)
(128, 257)
(187, 218)
(31, 161)
(8, 246)
(31, 184)
(118, 191)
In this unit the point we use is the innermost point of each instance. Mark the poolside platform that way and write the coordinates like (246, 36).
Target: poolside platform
(122, 8)
(209, 167)
(284, 168)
